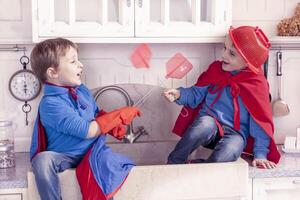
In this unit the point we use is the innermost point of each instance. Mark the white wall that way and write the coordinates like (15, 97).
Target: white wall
(105, 64)
(267, 14)
(109, 64)
(264, 13)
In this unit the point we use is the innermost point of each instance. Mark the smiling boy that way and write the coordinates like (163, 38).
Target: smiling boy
(69, 128)
(228, 108)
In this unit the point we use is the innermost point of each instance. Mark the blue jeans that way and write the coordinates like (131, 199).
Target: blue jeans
(204, 131)
(46, 166)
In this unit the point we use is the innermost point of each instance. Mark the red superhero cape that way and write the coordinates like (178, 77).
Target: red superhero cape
(254, 92)
(86, 180)
(89, 187)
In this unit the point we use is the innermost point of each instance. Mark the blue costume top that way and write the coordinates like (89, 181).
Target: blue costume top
(65, 120)
(223, 111)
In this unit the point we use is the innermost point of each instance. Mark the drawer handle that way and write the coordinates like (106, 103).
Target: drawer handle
(140, 3)
(128, 3)
(296, 182)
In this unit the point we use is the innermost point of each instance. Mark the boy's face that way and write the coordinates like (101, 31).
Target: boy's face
(69, 70)
(232, 60)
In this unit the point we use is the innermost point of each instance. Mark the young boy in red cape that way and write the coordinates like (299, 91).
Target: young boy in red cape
(70, 130)
(228, 108)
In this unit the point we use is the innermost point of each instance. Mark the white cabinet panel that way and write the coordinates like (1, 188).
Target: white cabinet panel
(10, 197)
(276, 188)
(250, 184)
(15, 21)
(82, 19)
(182, 18)
(13, 194)
(265, 14)
(91, 20)
(247, 10)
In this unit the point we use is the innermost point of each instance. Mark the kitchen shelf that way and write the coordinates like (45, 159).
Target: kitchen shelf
(285, 43)
(147, 40)
(285, 40)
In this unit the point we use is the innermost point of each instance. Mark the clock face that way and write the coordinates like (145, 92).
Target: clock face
(24, 85)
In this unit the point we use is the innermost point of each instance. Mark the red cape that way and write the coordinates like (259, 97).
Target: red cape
(89, 187)
(254, 92)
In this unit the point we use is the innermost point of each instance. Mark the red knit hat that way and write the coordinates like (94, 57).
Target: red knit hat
(252, 44)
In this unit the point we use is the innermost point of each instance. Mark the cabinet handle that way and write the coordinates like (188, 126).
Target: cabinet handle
(140, 3)
(128, 3)
(296, 182)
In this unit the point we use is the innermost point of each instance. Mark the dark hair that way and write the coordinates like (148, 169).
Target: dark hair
(47, 54)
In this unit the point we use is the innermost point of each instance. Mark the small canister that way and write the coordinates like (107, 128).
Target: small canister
(7, 154)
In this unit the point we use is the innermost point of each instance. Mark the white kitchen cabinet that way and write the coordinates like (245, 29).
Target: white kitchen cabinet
(182, 18)
(10, 196)
(250, 183)
(82, 19)
(15, 22)
(276, 188)
(131, 20)
(13, 194)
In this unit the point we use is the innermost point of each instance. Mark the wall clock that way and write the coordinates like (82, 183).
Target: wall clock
(24, 85)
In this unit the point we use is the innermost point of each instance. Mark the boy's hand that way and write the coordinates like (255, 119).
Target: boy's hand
(171, 94)
(263, 163)
(118, 132)
(122, 116)
(127, 114)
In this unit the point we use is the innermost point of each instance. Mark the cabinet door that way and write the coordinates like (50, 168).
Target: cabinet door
(82, 19)
(182, 18)
(276, 188)
(10, 196)
(15, 22)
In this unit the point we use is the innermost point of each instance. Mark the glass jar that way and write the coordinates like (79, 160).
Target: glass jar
(7, 154)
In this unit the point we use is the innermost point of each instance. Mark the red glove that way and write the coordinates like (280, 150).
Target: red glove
(108, 121)
(113, 122)
(128, 114)
(118, 132)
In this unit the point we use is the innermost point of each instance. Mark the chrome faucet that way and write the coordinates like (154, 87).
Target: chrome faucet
(131, 135)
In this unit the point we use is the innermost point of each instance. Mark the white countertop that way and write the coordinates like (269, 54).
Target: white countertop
(16, 177)
(288, 166)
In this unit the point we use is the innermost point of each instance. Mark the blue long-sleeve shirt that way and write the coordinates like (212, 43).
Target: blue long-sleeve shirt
(66, 121)
(223, 111)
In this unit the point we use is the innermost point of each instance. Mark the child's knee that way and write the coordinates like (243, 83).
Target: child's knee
(238, 145)
(42, 162)
(204, 125)
(234, 149)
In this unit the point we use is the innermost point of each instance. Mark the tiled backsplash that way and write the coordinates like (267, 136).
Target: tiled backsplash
(287, 125)
(158, 115)
(109, 64)
(103, 65)
(263, 13)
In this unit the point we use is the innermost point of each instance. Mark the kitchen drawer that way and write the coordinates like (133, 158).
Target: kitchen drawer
(11, 197)
(276, 188)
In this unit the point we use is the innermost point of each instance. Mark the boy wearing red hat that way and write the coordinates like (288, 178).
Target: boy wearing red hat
(228, 109)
